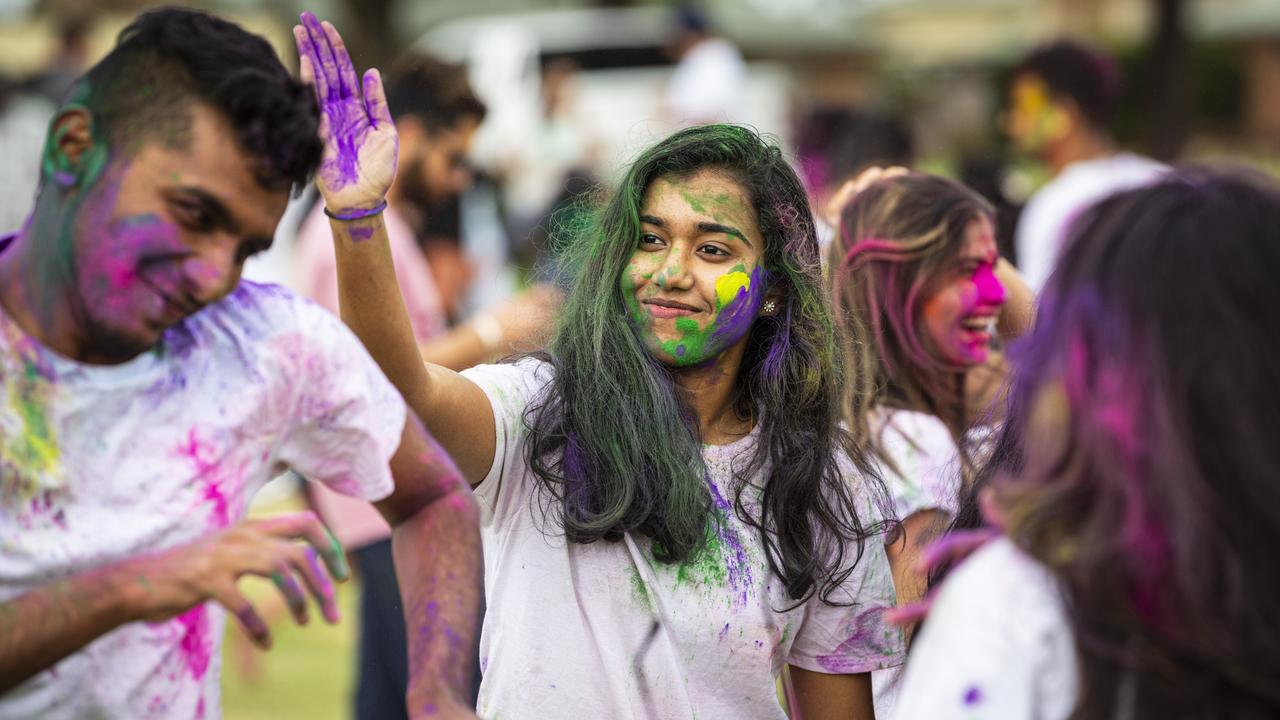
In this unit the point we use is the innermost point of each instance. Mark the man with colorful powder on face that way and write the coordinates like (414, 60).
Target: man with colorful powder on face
(149, 394)
(1060, 100)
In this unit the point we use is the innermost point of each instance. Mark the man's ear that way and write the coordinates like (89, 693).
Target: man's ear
(71, 148)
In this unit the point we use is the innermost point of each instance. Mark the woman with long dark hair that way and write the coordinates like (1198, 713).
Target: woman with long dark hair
(1137, 479)
(672, 512)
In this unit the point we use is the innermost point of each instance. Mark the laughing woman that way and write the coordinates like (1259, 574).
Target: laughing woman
(918, 282)
(673, 512)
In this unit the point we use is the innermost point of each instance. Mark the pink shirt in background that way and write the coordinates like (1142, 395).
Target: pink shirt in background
(357, 523)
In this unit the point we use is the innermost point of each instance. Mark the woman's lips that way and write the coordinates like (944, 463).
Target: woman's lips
(669, 308)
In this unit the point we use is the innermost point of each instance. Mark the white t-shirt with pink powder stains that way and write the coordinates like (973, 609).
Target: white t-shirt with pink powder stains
(100, 463)
(604, 631)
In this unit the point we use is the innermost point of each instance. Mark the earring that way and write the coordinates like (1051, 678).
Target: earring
(770, 307)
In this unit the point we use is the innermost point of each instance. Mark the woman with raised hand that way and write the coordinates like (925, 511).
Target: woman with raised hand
(673, 512)
(1138, 482)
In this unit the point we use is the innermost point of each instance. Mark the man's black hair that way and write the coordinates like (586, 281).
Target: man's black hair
(434, 91)
(1088, 77)
(169, 58)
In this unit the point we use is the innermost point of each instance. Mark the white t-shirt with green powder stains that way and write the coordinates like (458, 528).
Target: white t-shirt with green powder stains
(604, 631)
(101, 463)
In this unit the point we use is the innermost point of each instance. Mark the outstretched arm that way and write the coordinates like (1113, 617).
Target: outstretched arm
(358, 167)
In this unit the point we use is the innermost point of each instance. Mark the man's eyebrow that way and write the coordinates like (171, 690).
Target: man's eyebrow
(212, 205)
(707, 227)
(222, 216)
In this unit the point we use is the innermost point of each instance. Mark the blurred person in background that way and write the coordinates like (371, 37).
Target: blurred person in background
(70, 60)
(920, 286)
(24, 123)
(1134, 486)
(436, 115)
(710, 75)
(1060, 100)
(834, 145)
(551, 172)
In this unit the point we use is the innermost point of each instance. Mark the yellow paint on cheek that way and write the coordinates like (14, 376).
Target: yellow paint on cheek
(728, 286)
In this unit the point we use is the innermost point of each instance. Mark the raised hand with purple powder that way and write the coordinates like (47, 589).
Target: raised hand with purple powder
(360, 141)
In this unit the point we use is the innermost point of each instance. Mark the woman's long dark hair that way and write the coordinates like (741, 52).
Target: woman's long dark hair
(1141, 457)
(615, 445)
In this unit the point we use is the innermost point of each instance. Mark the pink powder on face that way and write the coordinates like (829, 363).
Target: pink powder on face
(990, 289)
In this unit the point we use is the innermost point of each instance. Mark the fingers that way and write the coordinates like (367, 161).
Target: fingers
(230, 598)
(308, 58)
(989, 506)
(325, 65)
(909, 613)
(307, 526)
(308, 565)
(346, 70)
(375, 99)
(953, 547)
(292, 591)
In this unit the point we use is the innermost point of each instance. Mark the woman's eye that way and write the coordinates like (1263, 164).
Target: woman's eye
(650, 239)
(714, 250)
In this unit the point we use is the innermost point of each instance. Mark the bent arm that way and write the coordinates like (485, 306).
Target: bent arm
(435, 541)
(454, 409)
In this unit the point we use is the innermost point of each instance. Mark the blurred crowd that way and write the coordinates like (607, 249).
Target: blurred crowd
(499, 155)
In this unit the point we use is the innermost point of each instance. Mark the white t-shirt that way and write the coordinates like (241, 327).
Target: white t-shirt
(570, 629)
(997, 645)
(926, 458)
(101, 463)
(927, 477)
(1049, 213)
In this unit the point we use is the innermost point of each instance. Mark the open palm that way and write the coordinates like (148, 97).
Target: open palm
(360, 141)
